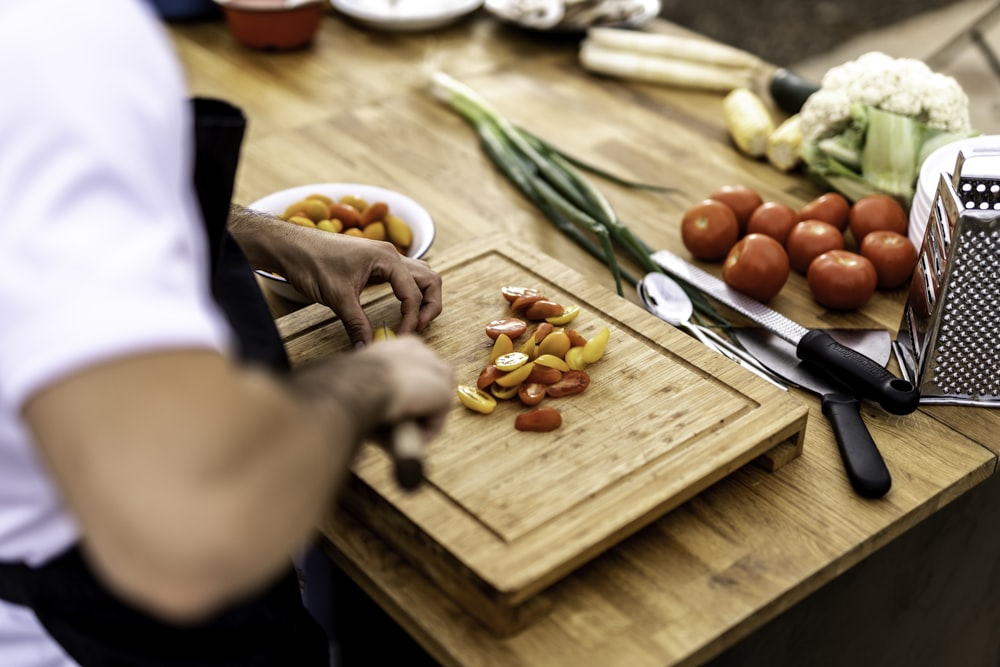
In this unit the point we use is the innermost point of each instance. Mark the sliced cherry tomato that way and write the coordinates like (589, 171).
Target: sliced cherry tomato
(875, 212)
(808, 240)
(543, 308)
(831, 207)
(531, 393)
(552, 361)
(511, 292)
(521, 303)
(501, 346)
(556, 344)
(516, 376)
(539, 419)
(572, 382)
(568, 315)
(842, 280)
(541, 374)
(542, 330)
(773, 219)
(511, 326)
(575, 339)
(757, 266)
(892, 254)
(488, 376)
(476, 400)
(511, 360)
(709, 229)
(594, 349)
(742, 199)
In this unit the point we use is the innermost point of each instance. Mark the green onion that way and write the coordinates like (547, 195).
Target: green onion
(555, 183)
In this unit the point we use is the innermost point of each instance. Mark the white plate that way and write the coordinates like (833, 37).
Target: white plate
(415, 215)
(574, 15)
(406, 15)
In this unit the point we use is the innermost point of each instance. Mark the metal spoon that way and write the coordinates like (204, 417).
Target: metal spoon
(663, 297)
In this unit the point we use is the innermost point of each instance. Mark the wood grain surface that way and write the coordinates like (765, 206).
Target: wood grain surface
(504, 513)
(355, 107)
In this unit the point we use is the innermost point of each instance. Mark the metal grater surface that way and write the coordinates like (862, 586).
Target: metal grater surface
(949, 341)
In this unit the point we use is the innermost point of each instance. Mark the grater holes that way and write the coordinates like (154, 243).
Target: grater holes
(968, 350)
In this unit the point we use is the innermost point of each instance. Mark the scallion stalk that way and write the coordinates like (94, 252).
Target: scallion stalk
(554, 182)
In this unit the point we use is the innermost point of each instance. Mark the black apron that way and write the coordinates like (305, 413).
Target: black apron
(273, 628)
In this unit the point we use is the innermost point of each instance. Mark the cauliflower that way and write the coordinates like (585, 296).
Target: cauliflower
(875, 119)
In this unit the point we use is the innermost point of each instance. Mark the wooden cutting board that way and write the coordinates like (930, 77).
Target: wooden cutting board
(503, 513)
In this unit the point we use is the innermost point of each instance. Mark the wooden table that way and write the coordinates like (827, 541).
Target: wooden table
(355, 107)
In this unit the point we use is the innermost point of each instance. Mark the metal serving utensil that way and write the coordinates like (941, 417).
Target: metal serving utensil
(662, 296)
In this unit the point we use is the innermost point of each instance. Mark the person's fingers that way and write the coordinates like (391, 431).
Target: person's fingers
(355, 321)
(410, 298)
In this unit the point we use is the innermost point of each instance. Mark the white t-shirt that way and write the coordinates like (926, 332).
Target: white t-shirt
(102, 252)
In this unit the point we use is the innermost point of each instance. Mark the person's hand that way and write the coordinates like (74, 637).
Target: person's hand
(333, 269)
(421, 384)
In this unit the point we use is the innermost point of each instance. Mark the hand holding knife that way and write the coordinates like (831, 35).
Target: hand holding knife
(406, 443)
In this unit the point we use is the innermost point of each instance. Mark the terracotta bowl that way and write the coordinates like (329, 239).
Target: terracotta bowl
(273, 25)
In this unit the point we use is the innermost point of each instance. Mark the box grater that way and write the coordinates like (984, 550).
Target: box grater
(949, 337)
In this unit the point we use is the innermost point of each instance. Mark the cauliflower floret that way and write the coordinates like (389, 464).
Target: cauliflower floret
(904, 86)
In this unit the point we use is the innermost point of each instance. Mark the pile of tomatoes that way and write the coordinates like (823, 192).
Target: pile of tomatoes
(846, 251)
(550, 361)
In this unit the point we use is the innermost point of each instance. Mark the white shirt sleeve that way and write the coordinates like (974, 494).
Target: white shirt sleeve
(102, 251)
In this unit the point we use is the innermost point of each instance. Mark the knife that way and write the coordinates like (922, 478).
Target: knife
(865, 377)
(406, 445)
(863, 463)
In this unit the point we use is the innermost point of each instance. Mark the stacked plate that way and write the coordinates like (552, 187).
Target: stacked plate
(942, 161)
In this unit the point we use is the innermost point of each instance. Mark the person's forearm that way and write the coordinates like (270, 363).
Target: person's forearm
(188, 498)
(252, 230)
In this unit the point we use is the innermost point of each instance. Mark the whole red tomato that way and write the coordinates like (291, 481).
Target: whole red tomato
(808, 240)
(842, 280)
(875, 212)
(831, 207)
(757, 266)
(774, 219)
(893, 256)
(709, 229)
(742, 199)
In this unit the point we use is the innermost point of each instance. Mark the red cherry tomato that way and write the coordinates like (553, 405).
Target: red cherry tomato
(543, 308)
(842, 280)
(539, 419)
(831, 207)
(808, 240)
(511, 292)
(757, 266)
(709, 229)
(892, 254)
(741, 199)
(488, 376)
(511, 326)
(774, 219)
(571, 382)
(531, 393)
(876, 212)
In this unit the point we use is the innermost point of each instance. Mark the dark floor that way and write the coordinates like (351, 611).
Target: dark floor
(787, 31)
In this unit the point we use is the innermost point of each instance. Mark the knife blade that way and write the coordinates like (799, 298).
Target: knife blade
(866, 469)
(865, 377)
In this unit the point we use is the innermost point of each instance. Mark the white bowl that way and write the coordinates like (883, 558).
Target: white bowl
(415, 215)
(942, 161)
(405, 15)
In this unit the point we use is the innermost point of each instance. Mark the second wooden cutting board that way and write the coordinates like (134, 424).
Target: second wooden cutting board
(503, 513)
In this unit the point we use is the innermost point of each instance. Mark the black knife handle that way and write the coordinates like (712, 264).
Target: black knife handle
(864, 377)
(864, 464)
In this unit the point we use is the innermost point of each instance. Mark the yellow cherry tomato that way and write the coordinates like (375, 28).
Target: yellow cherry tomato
(501, 346)
(383, 333)
(516, 376)
(476, 399)
(529, 347)
(511, 361)
(552, 361)
(504, 393)
(556, 343)
(594, 349)
(568, 315)
(574, 359)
